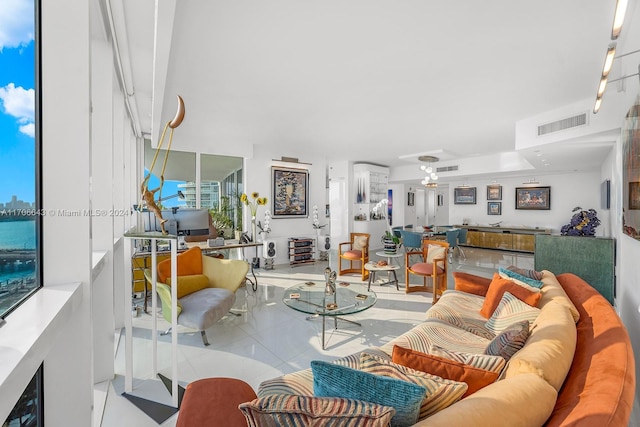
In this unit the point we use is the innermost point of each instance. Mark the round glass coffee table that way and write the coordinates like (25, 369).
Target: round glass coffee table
(311, 298)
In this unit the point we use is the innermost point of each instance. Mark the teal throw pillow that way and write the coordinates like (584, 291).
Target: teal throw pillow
(520, 277)
(331, 380)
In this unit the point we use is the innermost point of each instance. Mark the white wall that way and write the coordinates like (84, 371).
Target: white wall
(258, 178)
(66, 170)
(567, 192)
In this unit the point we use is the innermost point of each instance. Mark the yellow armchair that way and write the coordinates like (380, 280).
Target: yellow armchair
(206, 294)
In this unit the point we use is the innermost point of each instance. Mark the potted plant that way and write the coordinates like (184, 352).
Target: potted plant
(390, 242)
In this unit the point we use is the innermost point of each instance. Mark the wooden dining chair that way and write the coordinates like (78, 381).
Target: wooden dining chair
(356, 253)
(432, 265)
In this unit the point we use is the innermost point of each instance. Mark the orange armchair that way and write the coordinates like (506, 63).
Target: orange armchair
(355, 251)
(433, 264)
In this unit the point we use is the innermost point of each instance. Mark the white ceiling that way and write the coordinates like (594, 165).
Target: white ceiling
(366, 80)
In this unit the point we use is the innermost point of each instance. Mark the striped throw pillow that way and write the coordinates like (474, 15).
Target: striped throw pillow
(440, 393)
(512, 339)
(305, 411)
(510, 310)
(482, 361)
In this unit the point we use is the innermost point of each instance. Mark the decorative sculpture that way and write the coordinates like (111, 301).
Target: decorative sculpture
(148, 196)
(330, 281)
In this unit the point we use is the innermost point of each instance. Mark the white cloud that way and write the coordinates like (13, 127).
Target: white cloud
(16, 23)
(20, 103)
(29, 129)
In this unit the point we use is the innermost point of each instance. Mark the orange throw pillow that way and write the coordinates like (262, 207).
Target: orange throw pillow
(471, 283)
(189, 263)
(475, 378)
(498, 287)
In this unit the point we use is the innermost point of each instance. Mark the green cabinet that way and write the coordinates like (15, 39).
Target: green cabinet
(591, 258)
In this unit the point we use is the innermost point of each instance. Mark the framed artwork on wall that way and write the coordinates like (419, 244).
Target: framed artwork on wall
(494, 192)
(631, 171)
(290, 189)
(494, 208)
(464, 195)
(634, 195)
(533, 198)
(411, 198)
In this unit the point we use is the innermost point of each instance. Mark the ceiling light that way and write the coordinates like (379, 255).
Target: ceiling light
(602, 87)
(618, 18)
(597, 105)
(430, 175)
(608, 59)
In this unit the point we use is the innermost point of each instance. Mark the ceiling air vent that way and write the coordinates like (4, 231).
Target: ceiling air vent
(568, 123)
(447, 169)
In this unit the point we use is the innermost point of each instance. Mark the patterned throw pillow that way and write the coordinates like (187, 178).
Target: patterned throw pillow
(532, 274)
(440, 393)
(512, 339)
(475, 378)
(499, 286)
(509, 311)
(331, 380)
(360, 242)
(519, 278)
(482, 361)
(435, 252)
(309, 411)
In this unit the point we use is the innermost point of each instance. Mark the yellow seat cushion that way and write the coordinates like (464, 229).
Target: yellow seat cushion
(189, 263)
(190, 284)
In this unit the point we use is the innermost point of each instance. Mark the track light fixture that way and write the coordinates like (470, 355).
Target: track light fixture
(616, 28)
(618, 18)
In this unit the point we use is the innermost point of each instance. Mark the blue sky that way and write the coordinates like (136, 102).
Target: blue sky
(168, 189)
(17, 156)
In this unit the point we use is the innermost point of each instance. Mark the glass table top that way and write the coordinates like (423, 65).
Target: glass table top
(310, 298)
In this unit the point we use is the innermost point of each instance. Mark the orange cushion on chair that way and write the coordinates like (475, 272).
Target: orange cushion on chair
(424, 268)
(352, 254)
(189, 263)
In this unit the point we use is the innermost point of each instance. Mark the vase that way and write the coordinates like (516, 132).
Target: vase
(254, 235)
(390, 246)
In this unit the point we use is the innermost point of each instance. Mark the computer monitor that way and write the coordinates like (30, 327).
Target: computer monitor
(180, 221)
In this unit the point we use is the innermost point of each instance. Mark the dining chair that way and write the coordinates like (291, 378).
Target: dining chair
(356, 250)
(432, 265)
(411, 240)
(462, 239)
(452, 240)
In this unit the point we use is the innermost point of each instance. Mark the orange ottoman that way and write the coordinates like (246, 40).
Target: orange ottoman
(214, 402)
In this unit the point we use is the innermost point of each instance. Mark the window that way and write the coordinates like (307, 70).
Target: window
(28, 410)
(20, 220)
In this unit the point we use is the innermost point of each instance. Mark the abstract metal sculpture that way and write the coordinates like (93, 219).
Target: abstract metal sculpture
(148, 196)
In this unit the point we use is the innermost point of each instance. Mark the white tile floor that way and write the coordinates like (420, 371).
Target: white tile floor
(270, 339)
